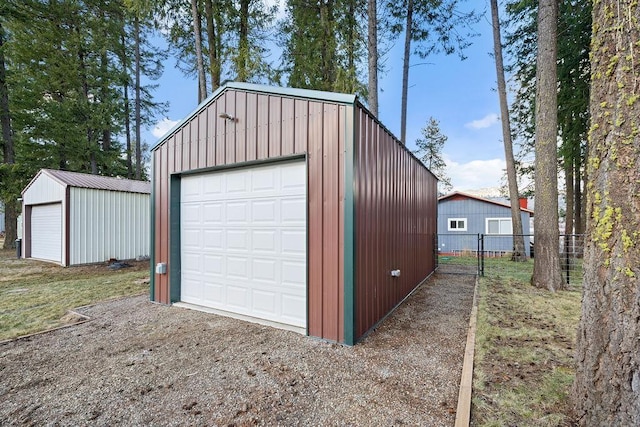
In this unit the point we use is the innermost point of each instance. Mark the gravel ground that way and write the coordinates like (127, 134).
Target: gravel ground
(139, 363)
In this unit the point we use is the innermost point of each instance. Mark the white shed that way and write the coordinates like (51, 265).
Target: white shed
(74, 218)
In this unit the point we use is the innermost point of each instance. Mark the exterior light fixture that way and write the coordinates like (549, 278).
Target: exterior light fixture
(227, 116)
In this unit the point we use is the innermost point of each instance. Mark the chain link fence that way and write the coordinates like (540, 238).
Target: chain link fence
(491, 255)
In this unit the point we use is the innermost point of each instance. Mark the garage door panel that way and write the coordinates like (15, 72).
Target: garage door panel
(252, 238)
(191, 262)
(294, 309)
(264, 179)
(190, 214)
(294, 273)
(237, 212)
(46, 232)
(213, 265)
(192, 239)
(265, 302)
(238, 298)
(237, 182)
(213, 293)
(264, 270)
(213, 213)
(191, 190)
(294, 211)
(264, 212)
(293, 179)
(212, 187)
(238, 240)
(294, 242)
(264, 241)
(191, 290)
(237, 267)
(212, 239)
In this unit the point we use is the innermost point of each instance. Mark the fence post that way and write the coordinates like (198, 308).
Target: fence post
(481, 254)
(566, 258)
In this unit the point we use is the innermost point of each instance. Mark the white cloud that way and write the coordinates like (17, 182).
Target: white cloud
(163, 126)
(475, 174)
(483, 123)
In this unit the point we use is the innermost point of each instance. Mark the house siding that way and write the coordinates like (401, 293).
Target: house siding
(476, 212)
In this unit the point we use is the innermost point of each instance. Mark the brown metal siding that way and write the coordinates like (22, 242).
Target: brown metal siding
(270, 127)
(395, 220)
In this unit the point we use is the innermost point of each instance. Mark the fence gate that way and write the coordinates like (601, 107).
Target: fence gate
(458, 253)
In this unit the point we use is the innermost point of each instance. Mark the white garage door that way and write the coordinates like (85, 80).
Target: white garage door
(46, 232)
(243, 242)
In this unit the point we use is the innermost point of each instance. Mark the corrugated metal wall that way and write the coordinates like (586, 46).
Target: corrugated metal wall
(43, 190)
(107, 224)
(395, 222)
(269, 127)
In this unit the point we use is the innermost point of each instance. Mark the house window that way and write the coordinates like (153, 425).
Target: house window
(499, 226)
(457, 224)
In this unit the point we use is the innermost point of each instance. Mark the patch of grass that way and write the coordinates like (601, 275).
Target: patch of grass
(34, 296)
(525, 342)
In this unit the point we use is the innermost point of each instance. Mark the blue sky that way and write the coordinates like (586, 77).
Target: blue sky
(459, 94)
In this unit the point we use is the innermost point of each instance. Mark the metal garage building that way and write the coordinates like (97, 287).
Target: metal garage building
(73, 218)
(289, 207)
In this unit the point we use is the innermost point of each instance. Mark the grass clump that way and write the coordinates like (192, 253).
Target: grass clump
(525, 342)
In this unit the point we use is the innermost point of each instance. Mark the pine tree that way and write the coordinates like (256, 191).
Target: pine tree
(429, 152)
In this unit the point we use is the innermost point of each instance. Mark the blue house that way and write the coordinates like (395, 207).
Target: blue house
(463, 217)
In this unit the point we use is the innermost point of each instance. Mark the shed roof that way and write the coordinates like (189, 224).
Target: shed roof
(459, 194)
(96, 182)
(318, 95)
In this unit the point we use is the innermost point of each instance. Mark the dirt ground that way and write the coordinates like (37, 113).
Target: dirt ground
(139, 363)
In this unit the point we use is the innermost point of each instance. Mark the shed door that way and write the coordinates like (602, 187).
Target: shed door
(243, 242)
(46, 232)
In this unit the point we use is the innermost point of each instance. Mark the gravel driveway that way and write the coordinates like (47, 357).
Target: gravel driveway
(138, 363)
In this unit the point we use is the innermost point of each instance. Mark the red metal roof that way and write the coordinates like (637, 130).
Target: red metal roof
(85, 180)
(458, 194)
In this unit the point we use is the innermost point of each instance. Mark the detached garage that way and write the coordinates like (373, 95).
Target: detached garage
(290, 207)
(73, 218)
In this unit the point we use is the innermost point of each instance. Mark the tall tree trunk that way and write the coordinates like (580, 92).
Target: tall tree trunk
(106, 130)
(372, 47)
(92, 145)
(546, 266)
(607, 384)
(212, 41)
(126, 106)
(127, 130)
(519, 253)
(202, 82)
(8, 152)
(328, 45)
(243, 41)
(351, 47)
(405, 71)
(138, 100)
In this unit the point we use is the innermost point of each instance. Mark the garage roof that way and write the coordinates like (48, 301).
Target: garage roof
(85, 180)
